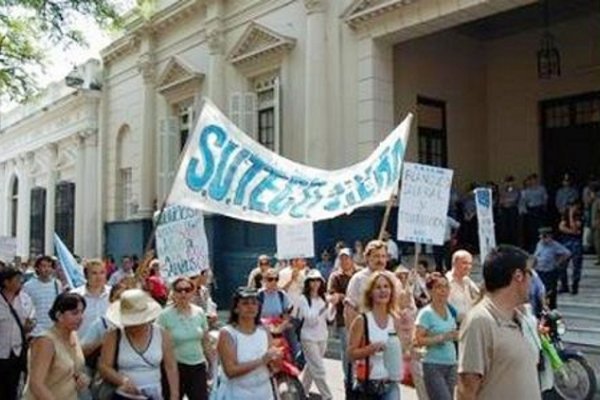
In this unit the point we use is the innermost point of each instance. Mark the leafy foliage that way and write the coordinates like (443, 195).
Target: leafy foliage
(27, 25)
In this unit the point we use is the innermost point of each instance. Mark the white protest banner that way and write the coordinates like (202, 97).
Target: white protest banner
(485, 221)
(8, 248)
(424, 200)
(295, 241)
(224, 171)
(181, 242)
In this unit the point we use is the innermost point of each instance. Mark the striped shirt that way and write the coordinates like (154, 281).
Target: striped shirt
(42, 295)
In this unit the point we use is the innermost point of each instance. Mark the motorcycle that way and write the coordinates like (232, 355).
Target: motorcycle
(285, 372)
(574, 378)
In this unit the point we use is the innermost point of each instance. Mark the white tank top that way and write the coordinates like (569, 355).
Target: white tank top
(257, 383)
(143, 368)
(377, 368)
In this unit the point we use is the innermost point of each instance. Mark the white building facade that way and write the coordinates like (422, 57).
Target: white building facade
(322, 82)
(49, 168)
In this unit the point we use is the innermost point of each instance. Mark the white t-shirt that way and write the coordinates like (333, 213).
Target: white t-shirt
(96, 307)
(42, 295)
(315, 318)
(294, 291)
(392, 249)
(462, 296)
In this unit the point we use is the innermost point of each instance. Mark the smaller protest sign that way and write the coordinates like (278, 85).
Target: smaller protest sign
(181, 242)
(8, 248)
(295, 241)
(424, 199)
(485, 221)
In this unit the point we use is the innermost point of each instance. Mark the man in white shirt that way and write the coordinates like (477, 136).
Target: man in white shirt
(96, 294)
(126, 271)
(463, 291)
(291, 280)
(43, 288)
(392, 250)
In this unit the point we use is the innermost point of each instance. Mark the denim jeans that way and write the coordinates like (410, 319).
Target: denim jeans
(575, 246)
(341, 333)
(440, 380)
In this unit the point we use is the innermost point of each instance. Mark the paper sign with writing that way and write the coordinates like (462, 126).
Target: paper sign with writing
(8, 248)
(485, 221)
(424, 199)
(181, 242)
(295, 241)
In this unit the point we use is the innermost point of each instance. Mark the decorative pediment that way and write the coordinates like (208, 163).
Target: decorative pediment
(257, 42)
(176, 73)
(361, 11)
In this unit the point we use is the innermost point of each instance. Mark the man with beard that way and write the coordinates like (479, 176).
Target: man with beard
(496, 360)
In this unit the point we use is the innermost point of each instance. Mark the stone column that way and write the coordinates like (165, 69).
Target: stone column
(148, 173)
(51, 150)
(24, 211)
(316, 94)
(5, 200)
(215, 40)
(80, 187)
(90, 218)
(375, 93)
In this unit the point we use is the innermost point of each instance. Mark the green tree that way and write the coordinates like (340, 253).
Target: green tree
(26, 26)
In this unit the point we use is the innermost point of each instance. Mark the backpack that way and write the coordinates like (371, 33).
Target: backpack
(261, 298)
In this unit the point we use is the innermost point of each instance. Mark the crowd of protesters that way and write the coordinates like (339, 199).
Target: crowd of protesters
(128, 334)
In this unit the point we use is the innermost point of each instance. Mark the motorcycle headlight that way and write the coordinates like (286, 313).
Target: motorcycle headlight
(561, 328)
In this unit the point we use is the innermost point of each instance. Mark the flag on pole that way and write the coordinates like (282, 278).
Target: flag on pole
(73, 271)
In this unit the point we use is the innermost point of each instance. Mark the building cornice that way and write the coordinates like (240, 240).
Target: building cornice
(361, 12)
(258, 42)
(163, 20)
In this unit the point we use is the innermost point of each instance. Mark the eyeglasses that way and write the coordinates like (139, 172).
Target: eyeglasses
(272, 279)
(263, 263)
(184, 290)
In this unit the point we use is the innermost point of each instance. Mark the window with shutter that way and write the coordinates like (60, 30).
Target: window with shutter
(14, 207)
(37, 221)
(64, 213)
(171, 135)
(126, 186)
(268, 110)
(235, 109)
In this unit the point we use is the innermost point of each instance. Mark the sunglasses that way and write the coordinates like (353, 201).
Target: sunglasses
(184, 290)
(263, 263)
(272, 279)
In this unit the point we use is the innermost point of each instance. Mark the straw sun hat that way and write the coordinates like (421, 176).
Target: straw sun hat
(135, 307)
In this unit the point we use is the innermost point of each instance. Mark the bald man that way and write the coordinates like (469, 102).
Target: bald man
(463, 291)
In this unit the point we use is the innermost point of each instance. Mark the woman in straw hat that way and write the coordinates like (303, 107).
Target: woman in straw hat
(140, 347)
(187, 324)
(245, 351)
(56, 360)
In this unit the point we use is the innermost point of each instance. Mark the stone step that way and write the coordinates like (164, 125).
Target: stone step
(587, 336)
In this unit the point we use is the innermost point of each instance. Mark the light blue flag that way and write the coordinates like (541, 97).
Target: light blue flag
(73, 271)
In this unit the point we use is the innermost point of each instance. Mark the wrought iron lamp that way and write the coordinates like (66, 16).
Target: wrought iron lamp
(74, 79)
(548, 56)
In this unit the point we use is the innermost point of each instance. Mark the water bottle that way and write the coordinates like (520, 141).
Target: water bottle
(392, 357)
